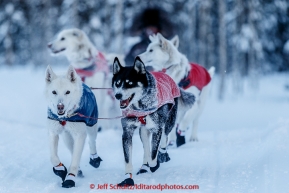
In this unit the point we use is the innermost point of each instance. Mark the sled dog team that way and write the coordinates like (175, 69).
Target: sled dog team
(167, 100)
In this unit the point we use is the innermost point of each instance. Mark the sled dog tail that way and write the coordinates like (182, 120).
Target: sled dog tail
(186, 99)
(185, 102)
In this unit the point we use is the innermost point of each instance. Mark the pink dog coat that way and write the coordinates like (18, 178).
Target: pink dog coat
(166, 91)
(99, 65)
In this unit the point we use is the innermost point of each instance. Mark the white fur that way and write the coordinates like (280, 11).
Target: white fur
(74, 133)
(163, 54)
(78, 49)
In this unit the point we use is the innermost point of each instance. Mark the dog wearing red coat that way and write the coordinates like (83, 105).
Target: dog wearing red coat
(163, 55)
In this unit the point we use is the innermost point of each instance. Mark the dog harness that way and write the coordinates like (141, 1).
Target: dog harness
(87, 106)
(99, 64)
(198, 76)
(166, 91)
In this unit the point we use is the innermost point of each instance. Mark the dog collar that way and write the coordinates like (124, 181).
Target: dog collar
(142, 120)
(63, 123)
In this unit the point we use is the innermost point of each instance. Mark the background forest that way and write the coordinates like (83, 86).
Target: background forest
(238, 37)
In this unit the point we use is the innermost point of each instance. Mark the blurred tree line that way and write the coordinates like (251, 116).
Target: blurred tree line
(242, 37)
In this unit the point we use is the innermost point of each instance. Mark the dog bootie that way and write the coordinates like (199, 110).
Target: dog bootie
(153, 169)
(60, 170)
(80, 174)
(144, 169)
(180, 138)
(128, 181)
(69, 181)
(95, 160)
(163, 156)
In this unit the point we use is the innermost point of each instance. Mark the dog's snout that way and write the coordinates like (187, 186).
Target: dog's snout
(60, 107)
(49, 45)
(118, 96)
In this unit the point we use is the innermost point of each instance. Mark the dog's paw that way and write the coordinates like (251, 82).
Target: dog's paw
(194, 139)
(180, 139)
(144, 169)
(127, 182)
(69, 181)
(153, 169)
(95, 162)
(163, 157)
(80, 174)
(60, 171)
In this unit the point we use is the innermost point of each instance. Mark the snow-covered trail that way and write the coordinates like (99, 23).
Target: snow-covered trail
(243, 143)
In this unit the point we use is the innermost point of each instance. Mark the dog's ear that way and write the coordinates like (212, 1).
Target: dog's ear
(162, 41)
(71, 74)
(175, 41)
(153, 38)
(139, 66)
(116, 66)
(49, 75)
(77, 33)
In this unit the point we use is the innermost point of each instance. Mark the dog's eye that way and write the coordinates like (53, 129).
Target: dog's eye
(151, 50)
(67, 92)
(62, 39)
(54, 92)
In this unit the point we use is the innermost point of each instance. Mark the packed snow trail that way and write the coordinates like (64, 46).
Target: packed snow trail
(243, 143)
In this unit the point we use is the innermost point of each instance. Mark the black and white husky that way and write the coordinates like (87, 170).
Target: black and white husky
(153, 103)
(72, 112)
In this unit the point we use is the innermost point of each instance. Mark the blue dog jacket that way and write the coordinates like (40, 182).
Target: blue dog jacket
(87, 107)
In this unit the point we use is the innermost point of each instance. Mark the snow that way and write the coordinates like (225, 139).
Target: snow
(243, 143)
(95, 22)
(9, 8)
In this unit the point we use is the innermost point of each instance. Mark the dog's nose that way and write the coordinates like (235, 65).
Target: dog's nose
(118, 96)
(60, 107)
(49, 45)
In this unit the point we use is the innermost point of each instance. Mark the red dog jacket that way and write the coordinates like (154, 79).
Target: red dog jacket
(198, 76)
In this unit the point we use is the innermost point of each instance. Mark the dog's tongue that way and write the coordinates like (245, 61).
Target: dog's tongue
(124, 103)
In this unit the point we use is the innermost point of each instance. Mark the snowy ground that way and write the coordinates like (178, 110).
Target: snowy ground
(243, 143)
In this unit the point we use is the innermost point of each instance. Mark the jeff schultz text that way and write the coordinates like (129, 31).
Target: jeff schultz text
(145, 187)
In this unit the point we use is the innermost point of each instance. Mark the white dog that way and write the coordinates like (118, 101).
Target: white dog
(72, 112)
(91, 65)
(162, 55)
